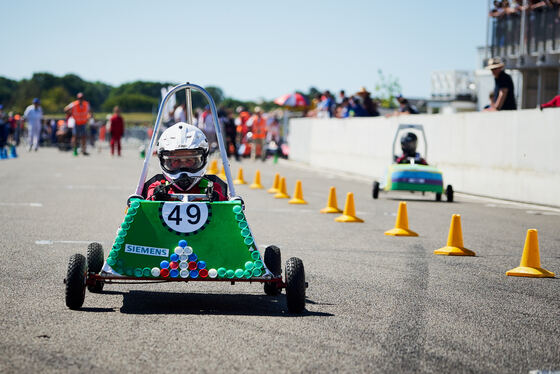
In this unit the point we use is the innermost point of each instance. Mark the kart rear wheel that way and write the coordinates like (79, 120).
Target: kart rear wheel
(76, 281)
(438, 196)
(295, 285)
(449, 193)
(95, 263)
(375, 189)
(273, 262)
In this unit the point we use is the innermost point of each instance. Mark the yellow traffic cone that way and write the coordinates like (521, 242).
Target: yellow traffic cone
(401, 224)
(282, 193)
(349, 214)
(275, 185)
(257, 181)
(239, 179)
(332, 206)
(298, 195)
(530, 265)
(454, 245)
(222, 174)
(213, 169)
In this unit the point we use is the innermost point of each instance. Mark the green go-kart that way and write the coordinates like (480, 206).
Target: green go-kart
(190, 239)
(410, 176)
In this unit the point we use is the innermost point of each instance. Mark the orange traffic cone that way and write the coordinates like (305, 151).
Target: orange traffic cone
(222, 174)
(275, 184)
(298, 195)
(349, 214)
(401, 224)
(282, 193)
(213, 169)
(239, 179)
(530, 265)
(332, 206)
(257, 181)
(454, 245)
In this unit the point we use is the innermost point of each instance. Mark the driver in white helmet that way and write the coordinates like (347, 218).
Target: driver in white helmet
(182, 150)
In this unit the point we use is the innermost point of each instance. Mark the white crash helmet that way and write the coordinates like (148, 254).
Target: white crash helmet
(183, 151)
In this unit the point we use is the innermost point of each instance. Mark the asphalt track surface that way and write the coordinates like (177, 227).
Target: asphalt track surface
(375, 304)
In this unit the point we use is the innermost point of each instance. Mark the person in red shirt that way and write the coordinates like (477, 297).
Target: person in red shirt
(241, 130)
(554, 103)
(116, 126)
(182, 150)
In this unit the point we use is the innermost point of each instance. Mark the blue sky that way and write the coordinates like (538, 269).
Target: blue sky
(251, 49)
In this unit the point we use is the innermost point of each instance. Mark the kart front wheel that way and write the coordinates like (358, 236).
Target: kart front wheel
(273, 262)
(295, 285)
(76, 281)
(449, 193)
(95, 263)
(375, 191)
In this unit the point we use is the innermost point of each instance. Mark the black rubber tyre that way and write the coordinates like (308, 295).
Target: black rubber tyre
(295, 285)
(449, 193)
(375, 191)
(438, 196)
(95, 257)
(273, 262)
(76, 281)
(95, 263)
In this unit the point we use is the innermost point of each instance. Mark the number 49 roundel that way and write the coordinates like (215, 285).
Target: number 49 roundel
(184, 217)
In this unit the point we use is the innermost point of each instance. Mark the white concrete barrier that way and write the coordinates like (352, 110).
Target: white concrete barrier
(511, 155)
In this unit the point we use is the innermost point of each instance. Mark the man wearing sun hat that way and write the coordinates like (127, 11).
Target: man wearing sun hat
(504, 98)
(367, 103)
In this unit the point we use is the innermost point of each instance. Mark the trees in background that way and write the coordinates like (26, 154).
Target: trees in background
(56, 92)
(140, 96)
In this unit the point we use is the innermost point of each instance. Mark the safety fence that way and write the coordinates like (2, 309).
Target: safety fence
(526, 32)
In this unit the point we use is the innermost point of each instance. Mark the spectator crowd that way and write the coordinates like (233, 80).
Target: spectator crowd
(502, 8)
(361, 104)
(247, 132)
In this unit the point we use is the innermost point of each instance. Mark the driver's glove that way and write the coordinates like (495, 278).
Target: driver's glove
(160, 193)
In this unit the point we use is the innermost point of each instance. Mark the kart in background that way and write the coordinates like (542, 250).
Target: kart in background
(412, 176)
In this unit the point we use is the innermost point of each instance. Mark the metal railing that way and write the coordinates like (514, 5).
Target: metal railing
(530, 32)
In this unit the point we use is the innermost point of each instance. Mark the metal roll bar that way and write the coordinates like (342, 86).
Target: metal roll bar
(187, 86)
(403, 126)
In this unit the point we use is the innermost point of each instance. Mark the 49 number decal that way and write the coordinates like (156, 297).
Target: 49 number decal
(184, 217)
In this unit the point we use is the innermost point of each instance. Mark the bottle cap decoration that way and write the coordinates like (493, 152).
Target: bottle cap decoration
(140, 252)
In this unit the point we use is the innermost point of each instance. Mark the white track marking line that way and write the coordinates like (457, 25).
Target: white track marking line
(35, 205)
(509, 204)
(90, 187)
(51, 242)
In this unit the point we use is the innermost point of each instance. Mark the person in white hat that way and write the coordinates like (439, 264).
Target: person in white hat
(34, 116)
(504, 98)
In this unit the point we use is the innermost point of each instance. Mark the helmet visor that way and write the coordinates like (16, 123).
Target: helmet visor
(189, 160)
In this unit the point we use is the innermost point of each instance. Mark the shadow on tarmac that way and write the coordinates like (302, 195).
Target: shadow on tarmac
(97, 310)
(419, 199)
(146, 302)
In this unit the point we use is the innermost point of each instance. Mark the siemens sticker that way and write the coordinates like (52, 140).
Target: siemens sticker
(150, 251)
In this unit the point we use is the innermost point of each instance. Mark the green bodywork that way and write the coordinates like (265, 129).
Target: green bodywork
(149, 235)
(413, 177)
